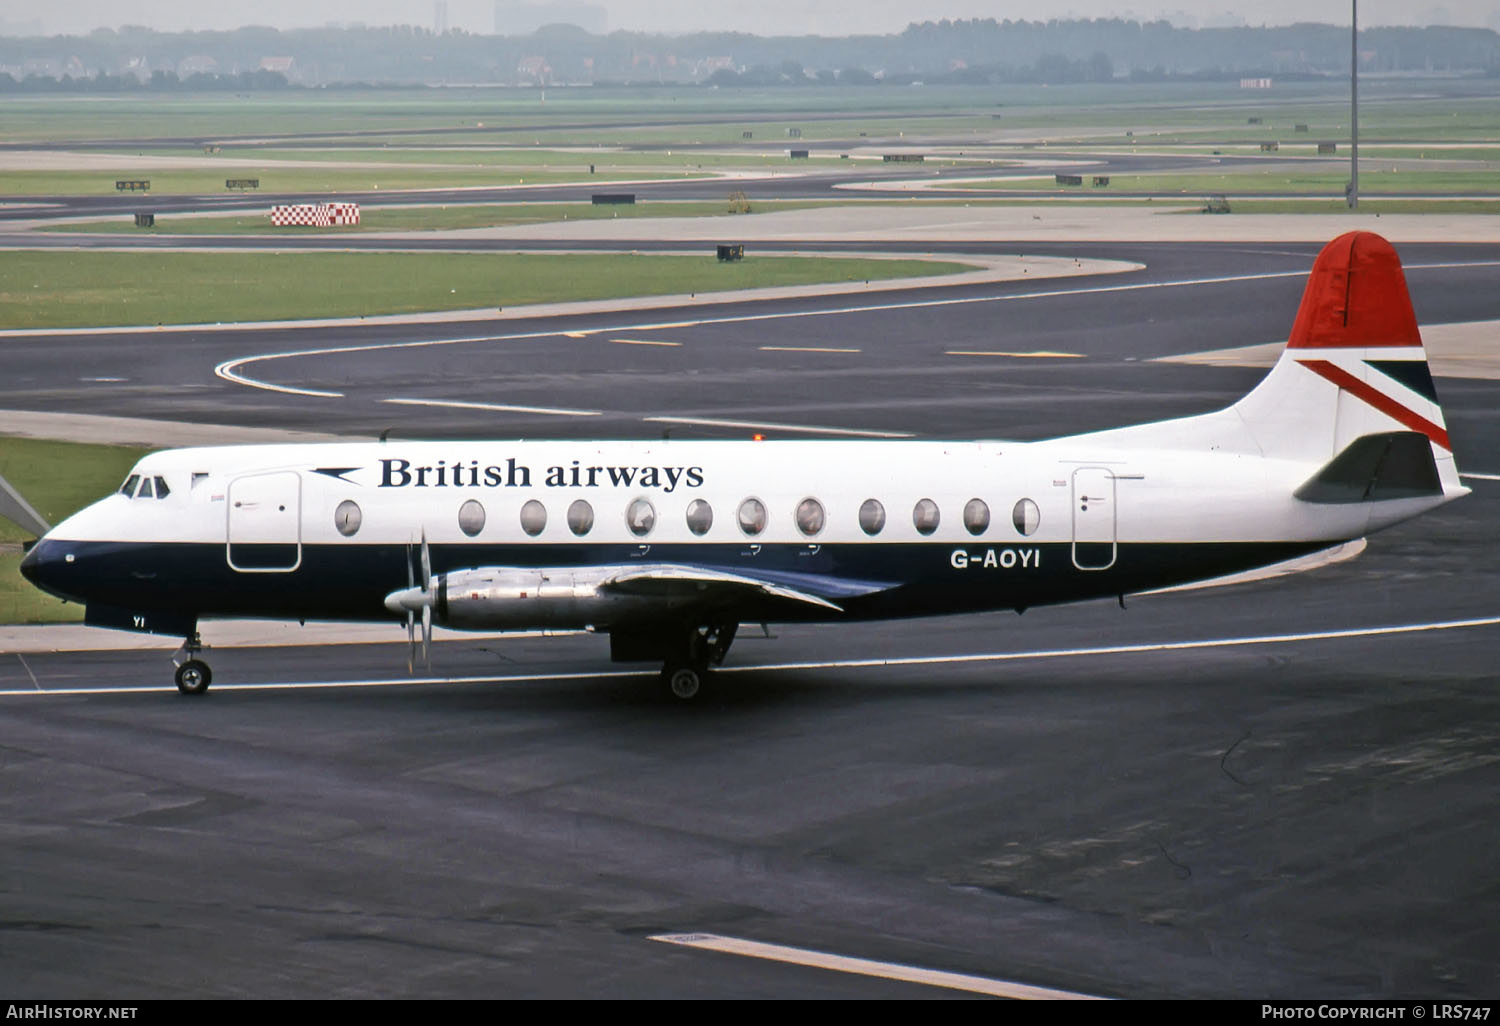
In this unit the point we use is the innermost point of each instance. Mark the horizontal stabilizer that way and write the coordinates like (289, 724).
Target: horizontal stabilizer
(1373, 468)
(19, 512)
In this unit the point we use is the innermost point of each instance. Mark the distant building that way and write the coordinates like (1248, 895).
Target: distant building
(440, 17)
(281, 64)
(1255, 83)
(199, 64)
(708, 65)
(519, 18)
(534, 70)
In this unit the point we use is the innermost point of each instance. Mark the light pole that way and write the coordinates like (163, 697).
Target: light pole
(1353, 190)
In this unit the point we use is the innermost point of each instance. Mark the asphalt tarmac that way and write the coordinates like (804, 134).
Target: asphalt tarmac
(1282, 789)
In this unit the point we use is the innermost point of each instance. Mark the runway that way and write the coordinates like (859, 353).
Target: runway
(1282, 789)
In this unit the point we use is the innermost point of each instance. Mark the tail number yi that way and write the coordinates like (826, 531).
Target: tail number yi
(990, 559)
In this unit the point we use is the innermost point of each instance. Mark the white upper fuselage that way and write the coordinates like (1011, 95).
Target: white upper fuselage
(403, 489)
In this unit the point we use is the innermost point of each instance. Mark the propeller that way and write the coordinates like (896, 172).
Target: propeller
(411, 620)
(426, 603)
(412, 598)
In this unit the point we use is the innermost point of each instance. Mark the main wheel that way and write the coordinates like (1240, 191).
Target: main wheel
(194, 677)
(683, 681)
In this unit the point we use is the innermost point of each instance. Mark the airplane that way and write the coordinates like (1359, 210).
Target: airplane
(668, 546)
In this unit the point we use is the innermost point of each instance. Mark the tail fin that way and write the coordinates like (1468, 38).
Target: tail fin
(1353, 366)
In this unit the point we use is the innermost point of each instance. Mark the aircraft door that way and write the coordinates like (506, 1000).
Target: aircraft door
(1093, 518)
(264, 533)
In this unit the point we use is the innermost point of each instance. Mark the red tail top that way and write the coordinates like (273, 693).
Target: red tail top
(1356, 296)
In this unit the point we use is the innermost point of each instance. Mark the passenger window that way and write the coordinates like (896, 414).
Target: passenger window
(128, 488)
(162, 491)
(925, 516)
(533, 517)
(752, 517)
(471, 517)
(700, 516)
(347, 518)
(871, 517)
(580, 517)
(810, 517)
(1026, 517)
(976, 516)
(640, 517)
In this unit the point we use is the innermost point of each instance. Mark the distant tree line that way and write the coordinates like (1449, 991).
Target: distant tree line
(159, 81)
(978, 50)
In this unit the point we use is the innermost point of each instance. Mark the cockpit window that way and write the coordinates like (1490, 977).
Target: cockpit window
(145, 491)
(162, 491)
(128, 488)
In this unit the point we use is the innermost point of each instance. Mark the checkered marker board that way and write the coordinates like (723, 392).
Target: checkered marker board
(314, 215)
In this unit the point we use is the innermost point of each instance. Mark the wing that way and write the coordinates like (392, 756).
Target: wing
(718, 586)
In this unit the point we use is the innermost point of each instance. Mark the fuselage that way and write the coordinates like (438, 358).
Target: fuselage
(327, 531)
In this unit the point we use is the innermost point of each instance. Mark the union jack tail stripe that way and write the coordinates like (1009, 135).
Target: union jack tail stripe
(1386, 404)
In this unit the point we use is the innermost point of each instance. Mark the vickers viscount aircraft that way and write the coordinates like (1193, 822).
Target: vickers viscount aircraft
(667, 547)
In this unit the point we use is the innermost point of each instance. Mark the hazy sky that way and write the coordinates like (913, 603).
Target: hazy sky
(763, 17)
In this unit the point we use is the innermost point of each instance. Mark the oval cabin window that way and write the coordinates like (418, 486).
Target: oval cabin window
(810, 517)
(925, 516)
(347, 518)
(871, 517)
(1026, 517)
(533, 517)
(700, 516)
(580, 517)
(976, 516)
(752, 517)
(640, 517)
(471, 518)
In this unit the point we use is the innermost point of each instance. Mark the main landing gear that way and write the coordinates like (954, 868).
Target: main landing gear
(193, 675)
(685, 671)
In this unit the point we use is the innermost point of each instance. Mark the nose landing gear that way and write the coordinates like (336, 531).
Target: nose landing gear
(193, 675)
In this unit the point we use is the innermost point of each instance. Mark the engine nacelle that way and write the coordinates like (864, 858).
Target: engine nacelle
(556, 598)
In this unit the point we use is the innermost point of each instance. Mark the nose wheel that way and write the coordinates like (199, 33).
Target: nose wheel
(193, 675)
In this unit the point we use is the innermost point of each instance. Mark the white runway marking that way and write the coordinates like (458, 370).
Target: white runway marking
(842, 664)
(1040, 354)
(550, 411)
(1162, 646)
(229, 370)
(643, 342)
(763, 425)
(868, 967)
(807, 349)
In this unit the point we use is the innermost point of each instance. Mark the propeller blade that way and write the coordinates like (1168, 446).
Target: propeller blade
(427, 636)
(426, 564)
(411, 617)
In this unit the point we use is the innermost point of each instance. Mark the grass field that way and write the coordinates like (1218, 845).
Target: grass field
(299, 179)
(1366, 206)
(89, 289)
(57, 478)
(1271, 181)
(436, 218)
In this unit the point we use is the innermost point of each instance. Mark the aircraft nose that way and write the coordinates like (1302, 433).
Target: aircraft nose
(47, 565)
(31, 563)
